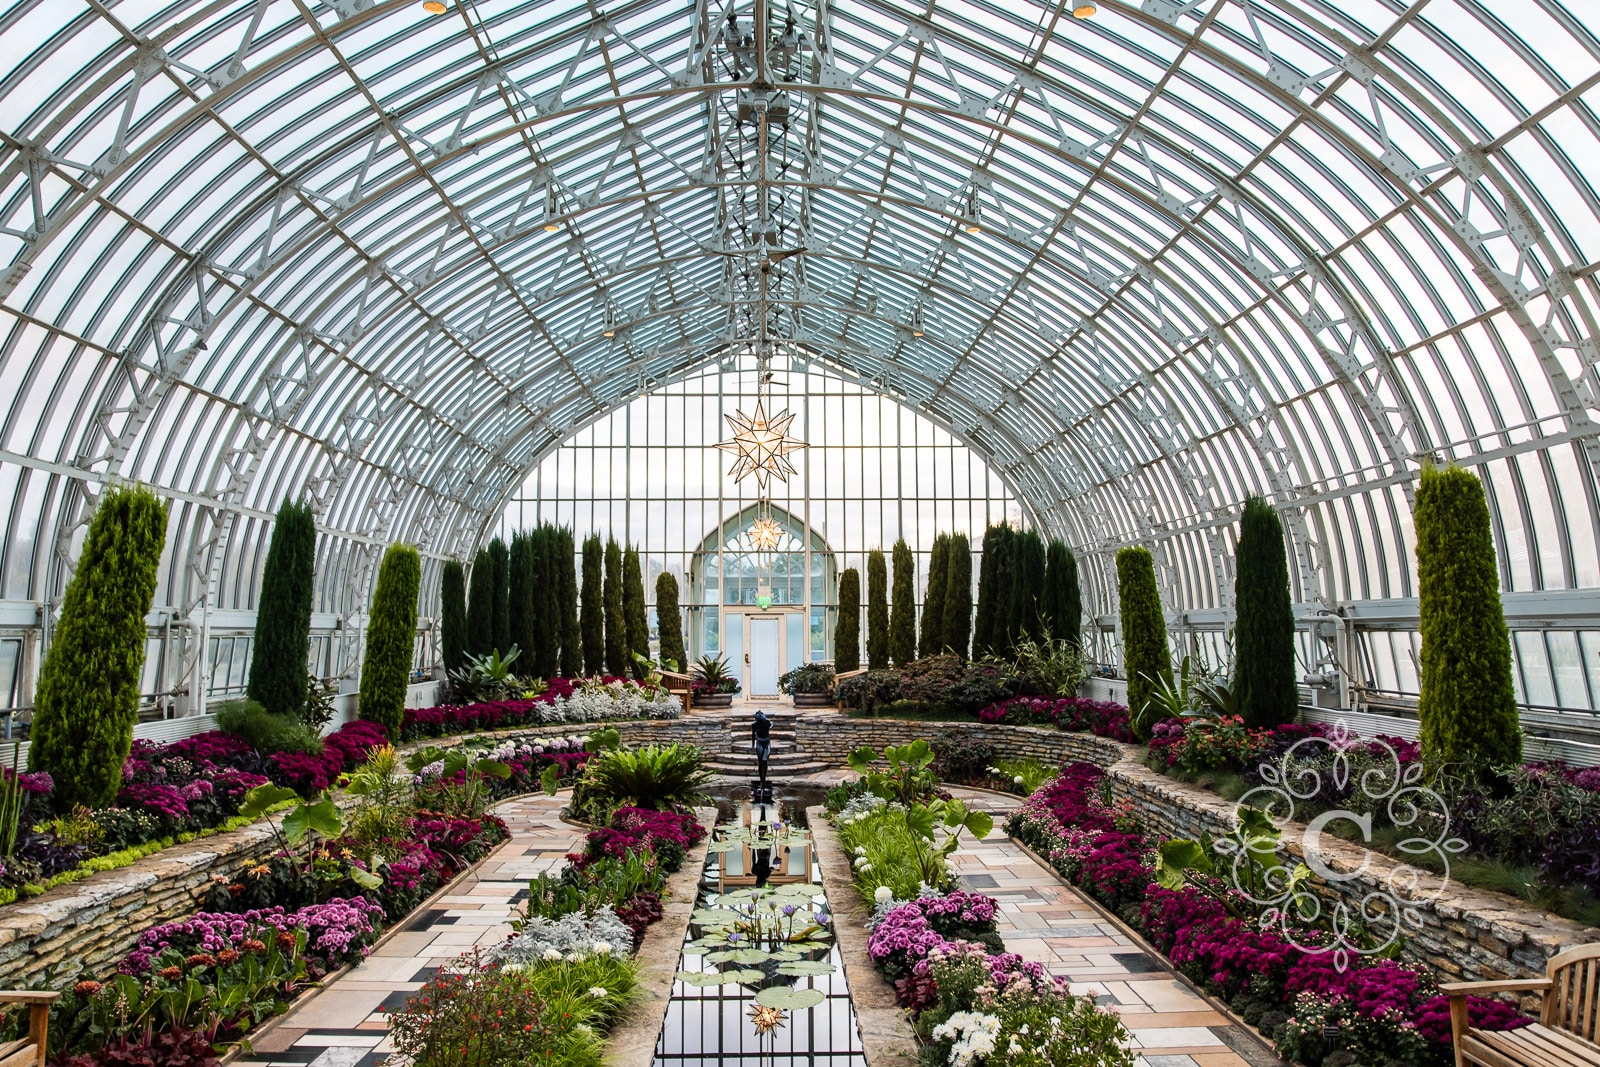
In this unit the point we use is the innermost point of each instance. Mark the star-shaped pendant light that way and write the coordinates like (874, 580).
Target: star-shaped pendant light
(765, 534)
(761, 444)
(766, 1019)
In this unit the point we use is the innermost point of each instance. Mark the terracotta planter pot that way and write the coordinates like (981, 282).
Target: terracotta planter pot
(714, 700)
(813, 700)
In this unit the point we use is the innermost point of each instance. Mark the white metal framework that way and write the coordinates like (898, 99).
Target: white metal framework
(1144, 264)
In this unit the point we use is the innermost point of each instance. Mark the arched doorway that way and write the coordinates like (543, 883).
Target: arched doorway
(767, 612)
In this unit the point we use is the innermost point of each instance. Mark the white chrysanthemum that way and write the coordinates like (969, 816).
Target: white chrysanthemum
(597, 992)
(883, 894)
(552, 954)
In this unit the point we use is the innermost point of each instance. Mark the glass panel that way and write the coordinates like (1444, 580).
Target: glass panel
(794, 640)
(1535, 664)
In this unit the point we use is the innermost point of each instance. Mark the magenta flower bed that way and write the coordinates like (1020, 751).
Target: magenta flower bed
(1104, 718)
(337, 932)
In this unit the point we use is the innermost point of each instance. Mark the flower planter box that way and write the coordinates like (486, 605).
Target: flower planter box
(714, 700)
(813, 700)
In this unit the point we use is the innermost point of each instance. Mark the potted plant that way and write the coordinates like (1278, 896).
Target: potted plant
(713, 685)
(811, 685)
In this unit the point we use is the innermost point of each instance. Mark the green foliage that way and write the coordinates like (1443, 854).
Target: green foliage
(265, 731)
(877, 611)
(377, 825)
(908, 783)
(11, 802)
(486, 677)
(544, 602)
(1248, 854)
(618, 661)
(930, 640)
(594, 624)
(1468, 706)
(660, 777)
(519, 592)
(88, 694)
(480, 605)
(1027, 621)
(1264, 666)
(566, 584)
(453, 615)
(634, 617)
(1145, 657)
(958, 596)
(992, 629)
(847, 630)
(1053, 666)
(669, 622)
(1062, 605)
(391, 638)
(903, 619)
(283, 615)
(461, 788)
(501, 558)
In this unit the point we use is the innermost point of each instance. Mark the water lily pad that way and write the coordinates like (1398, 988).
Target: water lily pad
(740, 955)
(792, 999)
(806, 967)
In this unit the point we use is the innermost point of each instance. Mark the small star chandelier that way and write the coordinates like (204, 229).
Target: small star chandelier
(761, 444)
(766, 1019)
(765, 534)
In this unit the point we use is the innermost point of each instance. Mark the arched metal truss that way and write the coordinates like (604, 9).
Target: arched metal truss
(1145, 264)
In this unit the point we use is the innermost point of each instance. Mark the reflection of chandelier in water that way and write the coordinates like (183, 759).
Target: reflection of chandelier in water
(761, 444)
(766, 1019)
(765, 534)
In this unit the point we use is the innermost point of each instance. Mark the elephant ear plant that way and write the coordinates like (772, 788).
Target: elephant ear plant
(909, 782)
(457, 780)
(304, 869)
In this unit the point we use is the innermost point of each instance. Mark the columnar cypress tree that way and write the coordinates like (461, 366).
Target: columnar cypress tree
(594, 608)
(958, 596)
(847, 630)
(877, 611)
(903, 619)
(1468, 705)
(1064, 607)
(566, 581)
(617, 659)
(1145, 656)
(1263, 633)
(87, 699)
(992, 631)
(519, 598)
(1027, 586)
(480, 605)
(669, 623)
(546, 650)
(453, 615)
(983, 625)
(283, 614)
(635, 616)
(931, 641)
(502, 595)
(391, 638)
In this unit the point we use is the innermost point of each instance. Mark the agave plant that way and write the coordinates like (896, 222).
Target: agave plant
(488, 677)
(655, 776)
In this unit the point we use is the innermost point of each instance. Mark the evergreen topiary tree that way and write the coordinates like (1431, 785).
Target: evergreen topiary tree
(480, 605)
(617, 659)
(1063, 602)
(1468, 705)
(546, 630)
(903, 618)
(87, 698)
(283, 614)
(453, 615)
(1027, 587)
(992, 631)
(1263, 633)
(566, 582)
(669, 623)
(847, 630)
(502, 595)
(594, 623)
(635, 616)
(958, 596)
(519, 596)
(1145, 656)
(931, 640)
(391, 639)
(877, 611)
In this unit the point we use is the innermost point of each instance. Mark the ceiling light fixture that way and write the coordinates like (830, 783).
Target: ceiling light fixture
(765, 534)
(610, 329)
(434, 7)
(972, 216)
(551, 223)
(761, 444)
(1084, 9)
(916, 322)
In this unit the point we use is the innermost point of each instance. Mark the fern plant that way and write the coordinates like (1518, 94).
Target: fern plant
(660, 777)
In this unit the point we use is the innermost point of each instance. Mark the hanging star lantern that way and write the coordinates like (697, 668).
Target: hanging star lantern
(766, 1019)
(761, 445)
(765, 534)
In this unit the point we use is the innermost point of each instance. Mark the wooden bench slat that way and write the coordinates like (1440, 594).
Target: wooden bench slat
(1538, 1046)
(28, 1053)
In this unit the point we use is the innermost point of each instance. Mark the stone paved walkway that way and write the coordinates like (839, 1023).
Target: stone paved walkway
(344, 1025)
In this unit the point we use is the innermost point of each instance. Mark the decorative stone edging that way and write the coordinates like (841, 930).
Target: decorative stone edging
(887, 1039)
(632, 1042)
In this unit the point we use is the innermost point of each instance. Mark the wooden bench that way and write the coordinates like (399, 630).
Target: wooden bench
(28, 1051)
(837, 678)
(1567, 1033)
(681, 684)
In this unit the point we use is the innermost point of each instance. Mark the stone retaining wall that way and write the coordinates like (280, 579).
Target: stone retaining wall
(833, 737)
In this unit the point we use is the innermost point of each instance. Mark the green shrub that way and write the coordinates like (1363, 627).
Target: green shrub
(903, 619)
(1145, 657)
(88, 693)
(265, 731)
(453, 616)
(654, 776)
(930, 641)
(958, 597)
(669, 623)
(1264, 687)
(594, 623)
(544, 603)
(522, 612)
(480, 605)
(618, 661)
(1027, 589)
(501, 558)
(283, 615)
(992, 629)
(877, 611)
(1468, 705)
(847, 629)
(391, 638)
(567, 601)
(635, 618)
(1063, 602)
(888, 853)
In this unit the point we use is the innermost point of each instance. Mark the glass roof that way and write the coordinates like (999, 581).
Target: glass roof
(1145, 263)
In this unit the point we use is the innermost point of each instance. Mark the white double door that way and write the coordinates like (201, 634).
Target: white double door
(756, 648)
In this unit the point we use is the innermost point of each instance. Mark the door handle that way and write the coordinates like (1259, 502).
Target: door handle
(747, 659)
